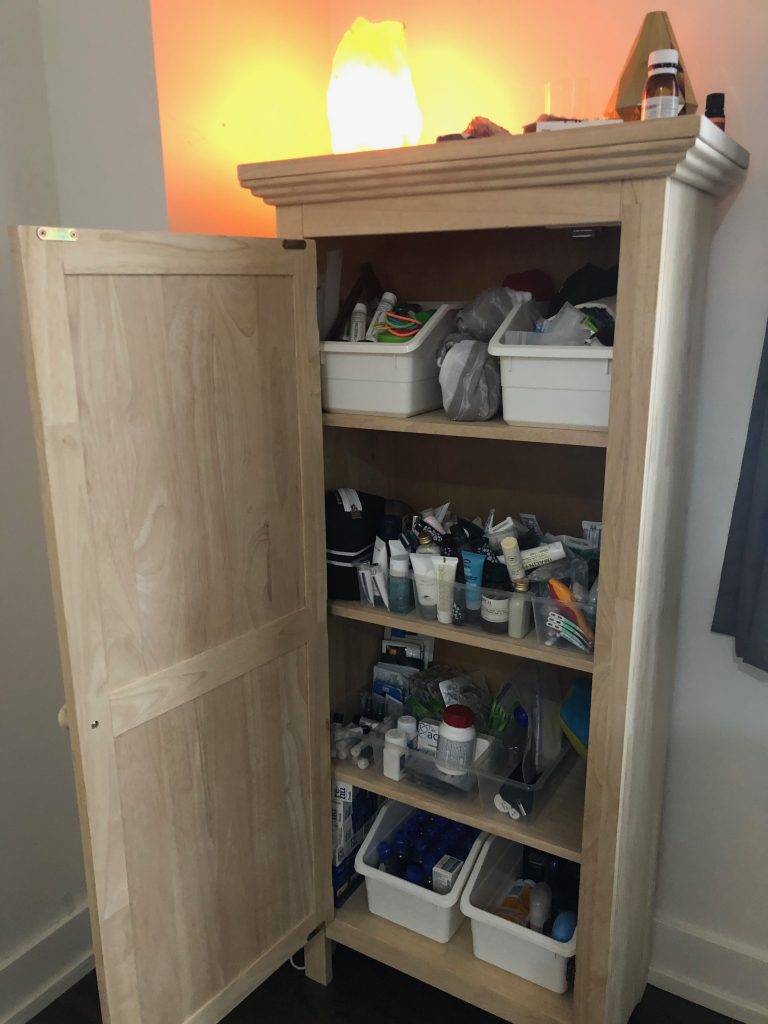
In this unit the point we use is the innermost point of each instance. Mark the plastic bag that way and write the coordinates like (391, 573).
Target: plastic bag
(470, 379)
(482, 317)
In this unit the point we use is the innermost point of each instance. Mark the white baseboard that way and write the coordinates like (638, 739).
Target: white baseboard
(37, 973)
(710, 969)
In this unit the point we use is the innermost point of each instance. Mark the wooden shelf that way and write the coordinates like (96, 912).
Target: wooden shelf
(496, 430)
(471, 636)
(556, 828)
(450, 966)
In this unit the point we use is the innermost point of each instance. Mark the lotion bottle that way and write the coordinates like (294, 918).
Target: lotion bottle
(520, 611)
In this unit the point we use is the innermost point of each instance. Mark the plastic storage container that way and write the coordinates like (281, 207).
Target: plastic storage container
(421, 910)
(520, 801)
(488, 779)
(399, 379)
(560, 384)
(563, 624)
(509, 946)
(556, 623)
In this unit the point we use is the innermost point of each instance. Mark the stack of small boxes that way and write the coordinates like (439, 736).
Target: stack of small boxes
(352, 813)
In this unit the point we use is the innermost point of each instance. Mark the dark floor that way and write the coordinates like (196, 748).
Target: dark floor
(363, 992)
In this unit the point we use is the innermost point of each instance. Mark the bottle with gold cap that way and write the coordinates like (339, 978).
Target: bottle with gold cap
(427, 546)
(520, 611)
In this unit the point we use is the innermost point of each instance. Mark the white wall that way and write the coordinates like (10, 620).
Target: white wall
(712, 901)
(99, 66)
(80, 145)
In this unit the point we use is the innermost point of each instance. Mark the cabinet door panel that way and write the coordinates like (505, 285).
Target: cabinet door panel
(175, 383)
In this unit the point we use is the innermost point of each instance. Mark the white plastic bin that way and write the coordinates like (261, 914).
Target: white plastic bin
(428, 913)
(509, 946)
(559, 384)
(399, 379)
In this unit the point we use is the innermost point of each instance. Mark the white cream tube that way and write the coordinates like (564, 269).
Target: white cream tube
(445, 571)
(513, 559)
(534, 557)
(426, 585)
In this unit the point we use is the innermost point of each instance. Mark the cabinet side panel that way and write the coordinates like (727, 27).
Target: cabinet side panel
(665, 234)
(684, 258)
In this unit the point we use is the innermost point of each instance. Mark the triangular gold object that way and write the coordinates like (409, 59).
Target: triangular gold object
(656, 33)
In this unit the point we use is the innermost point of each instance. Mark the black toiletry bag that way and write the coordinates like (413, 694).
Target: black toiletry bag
(351, 519)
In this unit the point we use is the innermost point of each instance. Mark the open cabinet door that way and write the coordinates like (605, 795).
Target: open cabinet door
(176, 390)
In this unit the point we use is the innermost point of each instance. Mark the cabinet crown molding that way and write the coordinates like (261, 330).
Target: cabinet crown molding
(688, 149)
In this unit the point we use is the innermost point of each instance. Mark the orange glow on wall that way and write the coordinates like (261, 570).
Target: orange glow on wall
(371, 99)
(245, 80)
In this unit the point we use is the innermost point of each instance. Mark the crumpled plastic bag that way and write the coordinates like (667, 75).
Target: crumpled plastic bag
(482, 317)
(470, 379)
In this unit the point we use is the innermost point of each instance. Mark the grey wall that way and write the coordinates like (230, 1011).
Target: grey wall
(80, 145)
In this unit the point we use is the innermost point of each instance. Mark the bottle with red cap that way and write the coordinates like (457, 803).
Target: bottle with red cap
(456, 740)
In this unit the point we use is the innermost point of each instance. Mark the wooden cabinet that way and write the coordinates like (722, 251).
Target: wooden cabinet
(175, 384)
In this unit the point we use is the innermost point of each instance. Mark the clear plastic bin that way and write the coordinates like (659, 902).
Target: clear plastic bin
(513, 948)
(493, 778)
(557, 623)
(429, 913)
(563, 624)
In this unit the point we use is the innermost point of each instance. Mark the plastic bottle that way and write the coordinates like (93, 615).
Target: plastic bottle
(661, 96)
(400, 585)
(520, 611)
(456, 740)
(357, 322)
(427, 546)
(386, 305)
(540, 906)
(393, 757)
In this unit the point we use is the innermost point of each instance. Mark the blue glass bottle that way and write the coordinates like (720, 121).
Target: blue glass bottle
(386, 858)
(419, 849)
(414, 873)
(402, 856)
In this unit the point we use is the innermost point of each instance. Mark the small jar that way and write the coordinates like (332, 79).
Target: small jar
(520, 611)
(494, 611)
(456, 740)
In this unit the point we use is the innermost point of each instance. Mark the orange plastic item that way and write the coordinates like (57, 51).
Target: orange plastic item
(561, 592)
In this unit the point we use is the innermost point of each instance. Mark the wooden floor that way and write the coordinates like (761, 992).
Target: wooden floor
(363, 992)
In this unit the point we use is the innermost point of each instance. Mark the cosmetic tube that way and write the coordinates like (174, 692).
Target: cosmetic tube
(426, 585)
(513, 559)
(445, 572)
(534, 557)
(473, 573)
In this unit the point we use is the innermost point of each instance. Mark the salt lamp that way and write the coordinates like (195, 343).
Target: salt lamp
(371, 98)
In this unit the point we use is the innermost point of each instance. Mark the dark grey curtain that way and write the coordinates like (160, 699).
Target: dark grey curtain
(742, 601)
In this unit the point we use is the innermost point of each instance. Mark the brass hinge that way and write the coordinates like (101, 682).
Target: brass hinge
(57, 234)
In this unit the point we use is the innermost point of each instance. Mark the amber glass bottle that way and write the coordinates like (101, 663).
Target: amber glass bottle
(661, 96)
